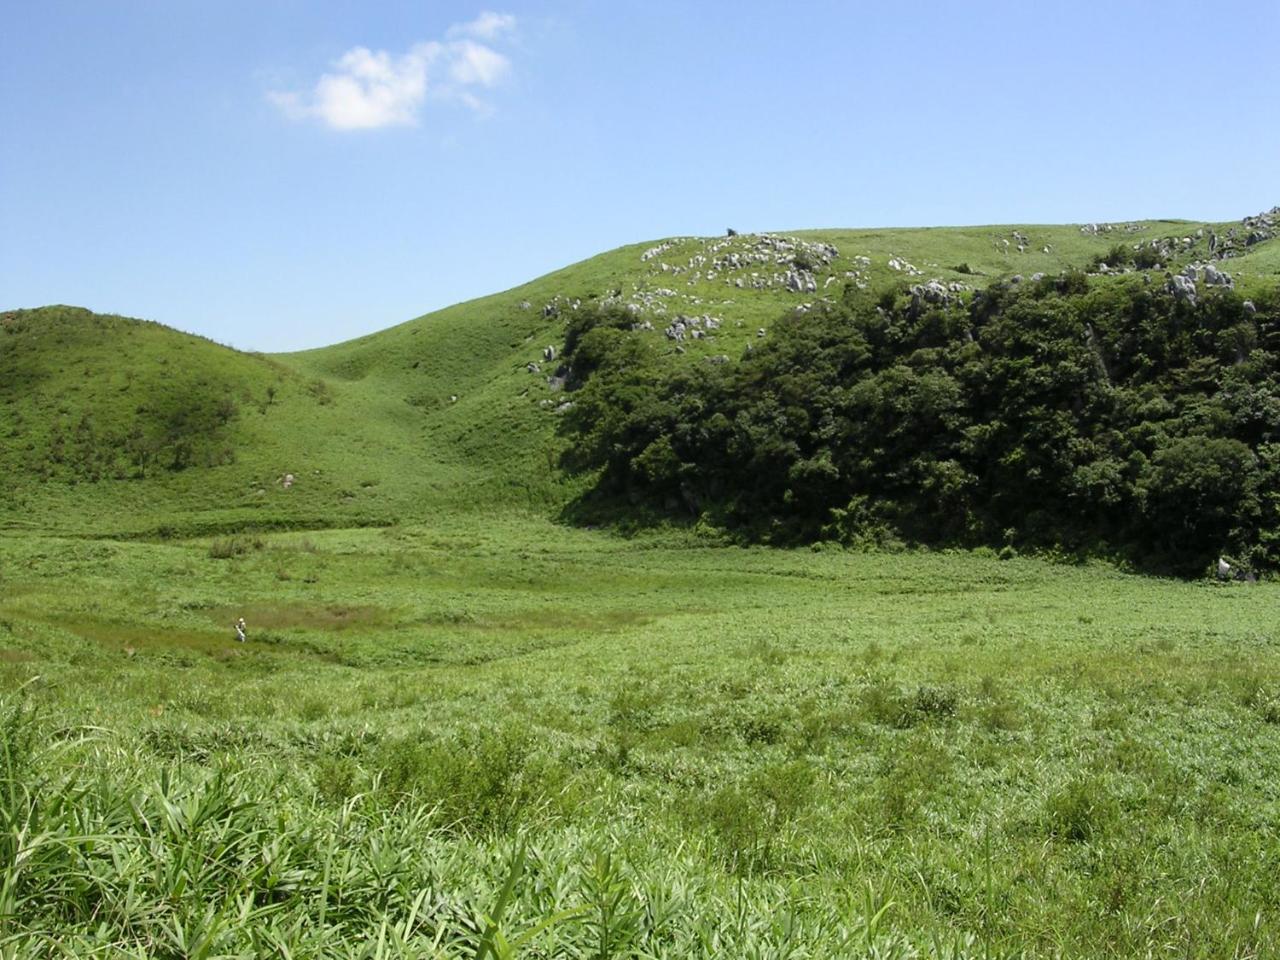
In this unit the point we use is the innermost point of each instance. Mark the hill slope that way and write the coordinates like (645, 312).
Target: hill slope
(113, 425)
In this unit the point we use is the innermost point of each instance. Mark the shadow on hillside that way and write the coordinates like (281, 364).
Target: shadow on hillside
(618, 516)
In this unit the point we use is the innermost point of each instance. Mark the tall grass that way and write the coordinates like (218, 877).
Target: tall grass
(462, 743)
(183, 861)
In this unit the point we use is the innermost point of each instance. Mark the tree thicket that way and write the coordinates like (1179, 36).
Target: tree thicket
(1086, 417)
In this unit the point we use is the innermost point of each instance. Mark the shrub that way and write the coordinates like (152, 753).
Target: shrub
(1082, 810)
(1194, 491)
(224, 548)
(1120, 255)
(935, 701)
(748, 816)
(481, 779)
(886, 704)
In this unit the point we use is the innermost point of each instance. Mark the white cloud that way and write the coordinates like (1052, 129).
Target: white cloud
(368, 89)
(474, 64)
(487, 26)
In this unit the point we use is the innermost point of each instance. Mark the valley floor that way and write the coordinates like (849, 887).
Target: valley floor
(509, 738)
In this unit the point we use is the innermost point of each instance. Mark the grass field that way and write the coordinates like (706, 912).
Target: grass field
(502, 737)
(462, 729)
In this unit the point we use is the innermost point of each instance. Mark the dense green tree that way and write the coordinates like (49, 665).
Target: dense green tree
(1063, 414)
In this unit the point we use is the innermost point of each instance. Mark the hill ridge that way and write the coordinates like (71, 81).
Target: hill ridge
(457, 409)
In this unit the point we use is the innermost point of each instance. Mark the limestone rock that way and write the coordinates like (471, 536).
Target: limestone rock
(934, 292)
(800, 281)
(1216, 277)
(1182, 287)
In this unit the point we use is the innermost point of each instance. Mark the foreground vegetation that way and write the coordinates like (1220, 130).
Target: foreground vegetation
(511, 739)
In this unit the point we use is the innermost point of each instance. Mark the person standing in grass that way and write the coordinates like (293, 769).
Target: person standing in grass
(240, 630)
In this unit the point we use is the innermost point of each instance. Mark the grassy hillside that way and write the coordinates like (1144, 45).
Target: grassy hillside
(478, 733)
(119, 425)
(114, 425)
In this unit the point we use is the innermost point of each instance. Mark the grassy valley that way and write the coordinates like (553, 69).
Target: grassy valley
(463, 726)
(699, 749)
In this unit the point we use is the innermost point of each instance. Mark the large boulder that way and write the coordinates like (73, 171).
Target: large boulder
(1183, 288)
(1217, 278)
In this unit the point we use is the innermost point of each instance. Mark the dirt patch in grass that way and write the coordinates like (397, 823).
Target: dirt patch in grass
(300, 616)
(133, 638)
(137, 637)
(537, 619)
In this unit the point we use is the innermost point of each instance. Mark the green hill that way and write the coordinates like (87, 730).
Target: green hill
(121, 426)
(480, 731)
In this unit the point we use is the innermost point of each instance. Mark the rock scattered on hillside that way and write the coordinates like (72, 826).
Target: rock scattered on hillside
(1205, 240)
(800, 281)
(793, 262)
(661, 248)
(1094, 229)
(1182, 287)
(1252, 230)
(693, 327)
(933, 292)
(1210, 274)
(1262, 226)
(650, 301)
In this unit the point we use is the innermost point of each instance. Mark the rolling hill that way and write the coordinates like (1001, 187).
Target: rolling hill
(480, 730)
(117, 426)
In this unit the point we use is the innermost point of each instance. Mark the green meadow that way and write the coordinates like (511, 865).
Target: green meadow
(463, 726)
(513, 739)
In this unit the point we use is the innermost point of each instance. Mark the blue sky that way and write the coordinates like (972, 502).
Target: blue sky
(277, 174)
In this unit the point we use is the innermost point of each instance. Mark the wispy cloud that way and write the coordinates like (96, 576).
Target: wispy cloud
(368, 89)
(487, 26)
